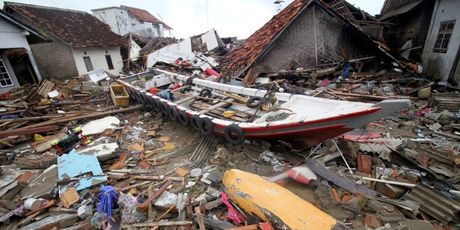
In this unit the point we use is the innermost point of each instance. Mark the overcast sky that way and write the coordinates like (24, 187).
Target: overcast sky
(190, 17)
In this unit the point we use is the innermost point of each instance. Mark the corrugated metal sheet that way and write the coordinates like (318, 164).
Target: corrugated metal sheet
(435, 204)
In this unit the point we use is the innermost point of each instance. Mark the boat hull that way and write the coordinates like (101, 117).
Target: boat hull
(309, 132)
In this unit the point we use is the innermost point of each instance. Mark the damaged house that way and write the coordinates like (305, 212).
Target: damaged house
(441, 56)
(80, 42)
(426, 31)
(17, 63)
(306, 34)
(406, 26)
(125, 19)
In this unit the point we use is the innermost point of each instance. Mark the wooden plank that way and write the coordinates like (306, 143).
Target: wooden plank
(33, 118)
(200, 105)
(199, 218)
(218, 105)
(217, 113)
(185, 99)
(87, 116)
(27, 130)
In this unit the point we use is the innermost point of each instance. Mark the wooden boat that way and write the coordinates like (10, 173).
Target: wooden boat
(220, 109)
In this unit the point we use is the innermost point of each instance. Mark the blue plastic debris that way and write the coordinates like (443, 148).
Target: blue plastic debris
(81, 167)
(108, 199)
(166, 94)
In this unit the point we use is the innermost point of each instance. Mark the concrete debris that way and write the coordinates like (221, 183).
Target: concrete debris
(42, 186)
(100, 125)
(101, 151)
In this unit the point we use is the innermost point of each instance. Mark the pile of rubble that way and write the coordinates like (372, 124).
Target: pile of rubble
(71, 158)
(82, 154)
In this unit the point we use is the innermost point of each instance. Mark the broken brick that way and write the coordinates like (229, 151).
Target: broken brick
(372, 221)
(389, 191)
(364, 163)
(69, 197)
(423, 159)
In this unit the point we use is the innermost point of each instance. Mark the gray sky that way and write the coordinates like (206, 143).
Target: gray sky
(190, 17)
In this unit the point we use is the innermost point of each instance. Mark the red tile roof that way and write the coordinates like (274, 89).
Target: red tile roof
(144, 16)
(245, 55)
(76, 28)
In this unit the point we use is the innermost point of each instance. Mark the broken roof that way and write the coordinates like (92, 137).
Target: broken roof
(144, 16)
(262, 38)
(78, 29)
(34, 36)
(241, 59)
(400, 10)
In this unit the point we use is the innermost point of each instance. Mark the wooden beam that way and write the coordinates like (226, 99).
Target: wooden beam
(199, 218)
(87, 116)
(28, 130)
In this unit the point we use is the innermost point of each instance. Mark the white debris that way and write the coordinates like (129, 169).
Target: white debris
(53, 94)
(101, 151)
(100, 125)
(166, 200)
(97, 75)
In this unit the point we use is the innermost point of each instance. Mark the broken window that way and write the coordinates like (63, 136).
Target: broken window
(88, 64)
(108, 58)
(445, 32)
(5, 79)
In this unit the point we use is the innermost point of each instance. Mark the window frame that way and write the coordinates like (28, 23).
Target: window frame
(108, 59)
(2, 75)
(441, 44)
(90, 62)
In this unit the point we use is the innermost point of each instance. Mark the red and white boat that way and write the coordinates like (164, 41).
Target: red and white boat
(213, 108)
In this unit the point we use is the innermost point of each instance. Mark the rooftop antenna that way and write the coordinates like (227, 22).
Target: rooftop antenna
(279, 5)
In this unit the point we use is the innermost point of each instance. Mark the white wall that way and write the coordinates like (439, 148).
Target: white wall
(122, 23)
(146, 29)
(97, 56)
(116, 18)
(135, 51)
(11, 36)
(436, 64)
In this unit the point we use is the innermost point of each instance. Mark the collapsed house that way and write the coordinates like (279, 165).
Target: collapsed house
(188, 52)
(441, 56)
(17, 63)
(307, 34)
(406, 26)
(80, 42)
(426, 32)
(125, 19)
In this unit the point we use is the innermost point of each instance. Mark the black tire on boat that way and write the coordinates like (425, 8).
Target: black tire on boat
(183, 117)
(164, 108)
(130, 92)
(186, 89)
(206, 93)
(172, 113)
(140, 97)
(206, 127)
(149, 103)
(234, 134)
(196, 122)
(137, 96)
(254, 102)
(156, 105)
(133, 95)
